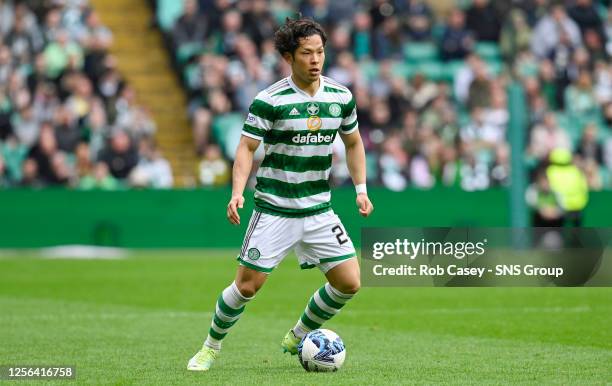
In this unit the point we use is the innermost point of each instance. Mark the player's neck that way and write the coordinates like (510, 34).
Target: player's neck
(309, 88)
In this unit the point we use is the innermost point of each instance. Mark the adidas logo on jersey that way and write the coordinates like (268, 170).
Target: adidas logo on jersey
(312, 138)
(294, 111)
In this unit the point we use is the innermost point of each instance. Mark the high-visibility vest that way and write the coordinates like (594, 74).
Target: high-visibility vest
(570, 185)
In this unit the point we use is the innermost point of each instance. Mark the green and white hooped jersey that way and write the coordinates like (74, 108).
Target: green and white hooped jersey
(298, 131)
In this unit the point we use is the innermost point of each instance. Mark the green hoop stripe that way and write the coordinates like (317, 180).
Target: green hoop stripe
(215, 334)
(265, 207)
(253, 130)
(333, 89)
(348, 108)
(253, 266)
(349, 126)
(337, 258)
(309, 323)
(222, 324)
(292, 163)
(289, 190)
(262, 109)
(227, 310)
(328, 300)
(315, 309)
(288, 91)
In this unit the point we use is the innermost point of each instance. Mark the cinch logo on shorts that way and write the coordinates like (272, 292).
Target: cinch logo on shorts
(253, 254)
(312, 138)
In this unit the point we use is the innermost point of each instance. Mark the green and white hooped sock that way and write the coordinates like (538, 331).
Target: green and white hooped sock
(230, 306)
(323, 305)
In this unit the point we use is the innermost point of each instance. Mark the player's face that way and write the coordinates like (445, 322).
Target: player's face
(307, 60)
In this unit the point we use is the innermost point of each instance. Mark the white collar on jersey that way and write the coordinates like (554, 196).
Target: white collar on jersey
(300, 91)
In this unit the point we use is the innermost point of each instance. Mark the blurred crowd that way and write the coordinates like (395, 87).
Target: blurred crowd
(67, 118)
(420, 129)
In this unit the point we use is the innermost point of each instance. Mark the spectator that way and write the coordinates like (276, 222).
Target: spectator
(417, 19)
(393, 164)
(585, 14)
(546, 137)
(479, 94)
(388, 39)
(42, 154)
(500, 171)
(96, 39)
(589, 148)
(580, 97)
(361, 39)
(480, 133)
(259, 23)
(484, 21)
(25, 126)
(550, 31)
(30, 174)
(191, 27)
(457, 41)
(121, 156)
(474, 173)
(547, 211)
(60, 53)
(465, 76)
(515, 35)
(4, 180)
(99, 179)
(569, 184)
(14, 153)
(22, 42)
(421, 91)
(152, 169)
(213, 169)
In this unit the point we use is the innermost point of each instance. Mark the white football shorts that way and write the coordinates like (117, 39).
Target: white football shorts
(319, 241)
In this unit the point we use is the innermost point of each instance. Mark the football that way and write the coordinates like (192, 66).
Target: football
(321, 350)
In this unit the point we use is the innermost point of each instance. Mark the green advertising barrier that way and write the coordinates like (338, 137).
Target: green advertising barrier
(196, 218)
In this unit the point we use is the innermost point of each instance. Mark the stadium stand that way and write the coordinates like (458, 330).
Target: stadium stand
(430, 83)
(429, 79)
(68, 118)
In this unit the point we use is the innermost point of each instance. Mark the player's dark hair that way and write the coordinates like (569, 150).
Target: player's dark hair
(287, 37)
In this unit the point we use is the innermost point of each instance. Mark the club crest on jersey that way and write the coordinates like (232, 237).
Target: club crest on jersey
(335, 110)
(253, 254)
(314, 123)
(312, 108)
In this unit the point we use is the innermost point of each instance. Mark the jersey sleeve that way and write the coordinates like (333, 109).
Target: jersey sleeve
(260, 117)
(349, 117)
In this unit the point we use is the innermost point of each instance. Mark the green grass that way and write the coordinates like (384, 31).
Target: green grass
(138, 321)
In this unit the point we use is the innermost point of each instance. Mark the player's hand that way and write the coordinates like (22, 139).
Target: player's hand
(232, 209)
(364, 204)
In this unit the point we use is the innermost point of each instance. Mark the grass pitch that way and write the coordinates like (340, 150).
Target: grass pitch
(139, 320)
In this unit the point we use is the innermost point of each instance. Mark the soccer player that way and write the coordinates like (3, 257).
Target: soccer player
(298, 119)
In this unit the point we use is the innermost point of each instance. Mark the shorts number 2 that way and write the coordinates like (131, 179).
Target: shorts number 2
(339, 232)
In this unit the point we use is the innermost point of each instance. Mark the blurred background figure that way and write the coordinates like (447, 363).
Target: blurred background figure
(569, 185)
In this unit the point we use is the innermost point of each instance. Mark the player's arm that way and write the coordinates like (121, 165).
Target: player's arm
(258, 122)
(355, 159)
(240, 174)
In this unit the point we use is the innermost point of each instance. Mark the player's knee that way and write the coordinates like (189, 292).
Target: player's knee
(248, 289)
(351, 287)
